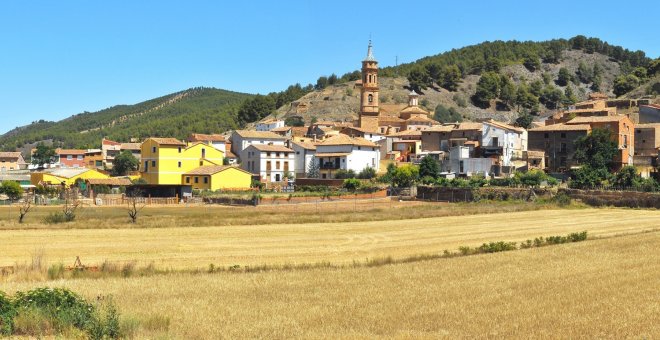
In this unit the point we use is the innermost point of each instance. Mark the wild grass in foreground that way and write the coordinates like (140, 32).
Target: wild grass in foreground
(602, 288)
(58, 312)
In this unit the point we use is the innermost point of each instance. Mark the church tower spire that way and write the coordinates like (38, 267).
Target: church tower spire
(369, 110)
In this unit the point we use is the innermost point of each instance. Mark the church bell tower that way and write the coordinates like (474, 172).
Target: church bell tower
(369, 93)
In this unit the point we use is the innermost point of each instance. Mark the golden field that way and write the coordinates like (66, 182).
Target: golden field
(170, 247)
(605, 288)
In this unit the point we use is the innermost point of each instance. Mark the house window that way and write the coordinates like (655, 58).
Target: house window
(179, 164)
(277, 154)
(153, 164)
(69, 157)
(80, 157)
(179, 149)
(203, 153)
(153, 149)
(546, 135)
(146, 165)
(562, 147)
(196, 179)
(206, 180)
(297, 152)
(563, 135)
(201, 163)
(267, 154)
(359, 148)
(187, 179)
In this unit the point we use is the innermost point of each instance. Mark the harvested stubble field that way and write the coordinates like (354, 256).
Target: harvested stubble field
(185, 248)
(606, 288)
(218, 215)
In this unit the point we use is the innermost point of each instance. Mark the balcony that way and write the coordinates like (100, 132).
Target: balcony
(489, 150)
(330, 166)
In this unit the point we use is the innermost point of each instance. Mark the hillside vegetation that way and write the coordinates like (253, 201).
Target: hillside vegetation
(178, 114)
(500, 80)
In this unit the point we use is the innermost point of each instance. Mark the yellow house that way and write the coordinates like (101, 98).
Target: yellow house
(215, 177)
(66, 176)
(165, 160)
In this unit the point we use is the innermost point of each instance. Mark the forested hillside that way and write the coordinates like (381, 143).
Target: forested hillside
(503, 80)
(201, 110)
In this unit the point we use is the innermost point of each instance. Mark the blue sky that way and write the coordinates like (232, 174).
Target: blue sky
(58, 58)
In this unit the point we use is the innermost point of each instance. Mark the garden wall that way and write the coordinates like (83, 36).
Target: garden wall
(447, 194)
(631, 199)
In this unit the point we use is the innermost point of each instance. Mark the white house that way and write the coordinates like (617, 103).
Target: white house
(460, 163)
(503, 140)
(346, 153)
(304, 155)
(241, 139)
(269, 124)
(215, 140)
(271, 162)
(372, 136)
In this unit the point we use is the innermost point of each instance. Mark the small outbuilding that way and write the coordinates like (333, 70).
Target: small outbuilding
(216, 177)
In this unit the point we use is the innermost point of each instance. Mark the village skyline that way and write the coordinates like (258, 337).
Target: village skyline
(79, 57)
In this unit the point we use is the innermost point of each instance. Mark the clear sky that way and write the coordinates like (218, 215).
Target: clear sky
(58, 58)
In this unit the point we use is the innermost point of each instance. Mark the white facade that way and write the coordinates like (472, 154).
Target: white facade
(304, 155)
(512, 142)
(346, 157)
(241, 141)
(460, 162)
(269, 125)
(271, 163)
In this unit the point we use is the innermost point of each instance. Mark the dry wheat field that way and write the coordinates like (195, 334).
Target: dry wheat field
(339, 243)
(606, 288)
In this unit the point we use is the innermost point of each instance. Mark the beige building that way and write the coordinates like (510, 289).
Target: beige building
(12, 161)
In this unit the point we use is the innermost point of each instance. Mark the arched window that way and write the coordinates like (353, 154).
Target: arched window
(370, 78)
(371, 98)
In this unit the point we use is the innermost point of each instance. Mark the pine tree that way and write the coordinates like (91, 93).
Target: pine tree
(313, 168)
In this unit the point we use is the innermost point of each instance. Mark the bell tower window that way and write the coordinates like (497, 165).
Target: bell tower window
(371, 98)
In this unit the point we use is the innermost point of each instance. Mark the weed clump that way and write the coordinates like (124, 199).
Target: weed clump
(57, 311)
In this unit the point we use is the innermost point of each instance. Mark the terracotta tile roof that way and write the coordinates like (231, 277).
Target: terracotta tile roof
(271, 148)
(342, 139)
(469, 126)
(212, 170)
(389, 119)
(504, 126)
(596, 119)
(167, 141)
(110, 181)
(415, 110)
(441, 128)
(10, 154)
(299, 131)
(109, 142)
(200, 137)
(70, 152)
(306, 145)
(406, 133)
(230, 154)
(421, 119)
(131, 146)
(258, 134)
(562, 127)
